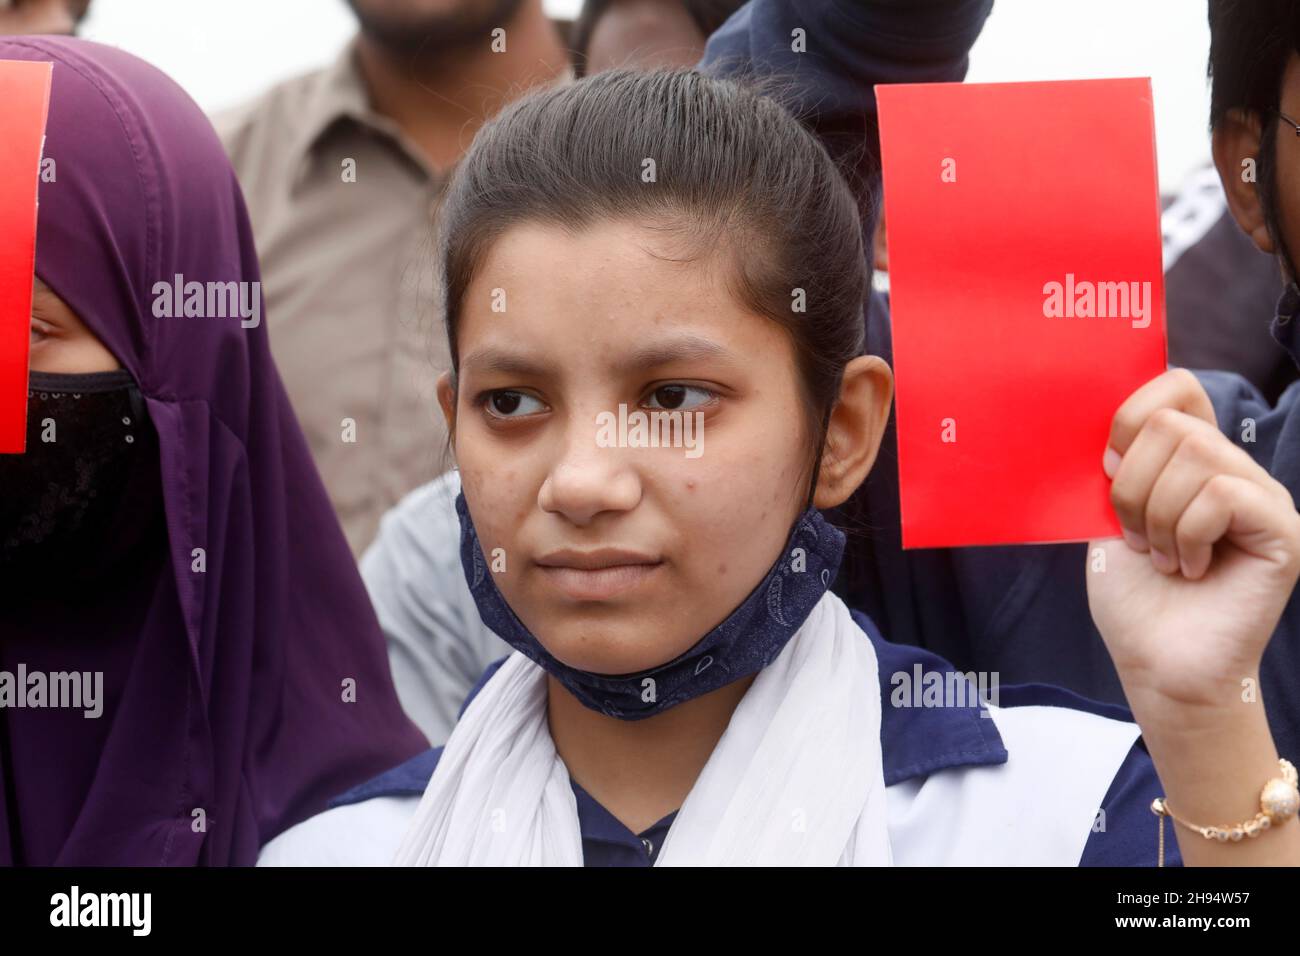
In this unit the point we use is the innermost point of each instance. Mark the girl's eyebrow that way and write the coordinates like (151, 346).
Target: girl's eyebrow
(499, 360)
(681, 348)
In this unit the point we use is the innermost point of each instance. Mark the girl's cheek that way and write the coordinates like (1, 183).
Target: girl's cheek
(500, 503)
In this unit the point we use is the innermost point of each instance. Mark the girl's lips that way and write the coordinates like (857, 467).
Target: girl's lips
(597, 584)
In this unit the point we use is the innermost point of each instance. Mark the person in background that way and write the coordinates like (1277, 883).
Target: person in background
(342, 169)
(50, 17)
(1219, 291)
(643, 34)
(165, 537)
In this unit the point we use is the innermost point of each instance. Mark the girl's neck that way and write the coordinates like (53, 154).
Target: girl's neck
(640, 770)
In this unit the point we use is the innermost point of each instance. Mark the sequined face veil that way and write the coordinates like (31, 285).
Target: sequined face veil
(63, 495)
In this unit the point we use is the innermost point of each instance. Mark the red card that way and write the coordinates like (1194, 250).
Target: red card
(25, 93)
(1027, 296)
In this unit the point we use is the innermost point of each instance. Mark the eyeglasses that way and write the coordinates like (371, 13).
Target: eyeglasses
(1289, 121)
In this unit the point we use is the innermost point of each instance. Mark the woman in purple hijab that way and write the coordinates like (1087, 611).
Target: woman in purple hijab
(188, 660)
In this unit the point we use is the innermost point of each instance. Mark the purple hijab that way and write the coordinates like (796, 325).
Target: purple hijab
(227, 718)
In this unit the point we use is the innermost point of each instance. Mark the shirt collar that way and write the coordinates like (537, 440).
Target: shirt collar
(341, 96)
(916, 741)
(598, 825)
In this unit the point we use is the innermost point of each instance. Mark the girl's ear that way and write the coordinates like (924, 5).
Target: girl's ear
(447, 399)
(856, 426)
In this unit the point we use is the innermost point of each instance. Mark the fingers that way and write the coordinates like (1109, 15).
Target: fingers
(1178, 469)
(1177, 389)
(1165, 466)
(1243, 511)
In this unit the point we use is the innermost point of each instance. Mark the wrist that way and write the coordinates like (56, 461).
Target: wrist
(1211, 843)
(1180, 726)
(1213, 766)
(1193, 702)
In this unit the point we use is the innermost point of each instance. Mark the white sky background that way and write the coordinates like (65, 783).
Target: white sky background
(225, 51)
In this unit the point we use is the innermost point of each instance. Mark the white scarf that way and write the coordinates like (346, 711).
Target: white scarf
(795, 780)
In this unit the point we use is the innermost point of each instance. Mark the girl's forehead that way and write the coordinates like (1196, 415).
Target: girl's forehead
(606, 260)
(613, 286)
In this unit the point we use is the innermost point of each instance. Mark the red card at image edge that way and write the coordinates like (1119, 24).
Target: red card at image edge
(25, 92)
(1026, 300)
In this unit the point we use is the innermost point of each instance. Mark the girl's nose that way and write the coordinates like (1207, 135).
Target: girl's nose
(587, 479)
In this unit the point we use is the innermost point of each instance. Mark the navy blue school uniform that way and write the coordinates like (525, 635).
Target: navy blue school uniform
(916, 742)
(1020, 611)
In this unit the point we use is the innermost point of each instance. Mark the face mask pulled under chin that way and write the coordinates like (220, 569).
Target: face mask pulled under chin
(748, 640)
(90, 451)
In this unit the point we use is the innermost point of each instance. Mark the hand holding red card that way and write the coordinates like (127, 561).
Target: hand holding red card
(25, 93)
(1027, 300)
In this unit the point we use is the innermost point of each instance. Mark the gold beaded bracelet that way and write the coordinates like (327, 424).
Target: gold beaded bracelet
(1278, 802)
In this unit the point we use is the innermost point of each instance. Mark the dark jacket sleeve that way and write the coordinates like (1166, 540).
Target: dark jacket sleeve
(1269, 433)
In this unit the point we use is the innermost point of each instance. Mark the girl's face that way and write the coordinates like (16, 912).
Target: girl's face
(620, 558)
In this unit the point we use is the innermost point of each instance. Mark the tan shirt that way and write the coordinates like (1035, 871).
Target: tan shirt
(342, 205)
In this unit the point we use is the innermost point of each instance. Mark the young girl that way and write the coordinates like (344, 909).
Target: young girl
(685, 689)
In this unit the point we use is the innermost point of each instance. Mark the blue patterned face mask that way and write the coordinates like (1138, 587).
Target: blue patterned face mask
(747, 641)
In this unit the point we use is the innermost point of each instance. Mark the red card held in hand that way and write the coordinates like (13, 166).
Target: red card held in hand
(1027, 300)
(25, 93)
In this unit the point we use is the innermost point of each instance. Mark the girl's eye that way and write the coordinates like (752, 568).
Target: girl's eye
(40, 331)
(680, 397)
(508, 404)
